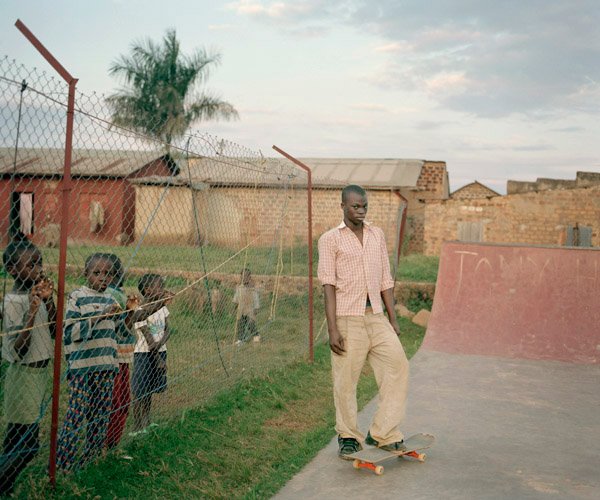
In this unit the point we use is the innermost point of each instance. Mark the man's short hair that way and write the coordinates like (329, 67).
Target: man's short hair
(352, 188)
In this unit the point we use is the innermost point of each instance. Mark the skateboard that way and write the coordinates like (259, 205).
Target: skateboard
(370, 457)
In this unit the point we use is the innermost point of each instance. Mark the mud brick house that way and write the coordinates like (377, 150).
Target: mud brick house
(102, 198)
(473, 190)
(230, 201)
(119, 196)
(544, 212)
(392, 184)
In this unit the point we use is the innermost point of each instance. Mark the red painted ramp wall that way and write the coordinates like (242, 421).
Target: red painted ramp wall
(518, 302)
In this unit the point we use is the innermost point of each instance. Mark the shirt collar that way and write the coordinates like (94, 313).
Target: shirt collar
(343, 224)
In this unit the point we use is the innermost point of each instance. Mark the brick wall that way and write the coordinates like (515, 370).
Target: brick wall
(432, 185)
(473, 190)
(384, 209)
(582, 179)
(235, 216)
(538, 218)
(163, 216)
(432, 182)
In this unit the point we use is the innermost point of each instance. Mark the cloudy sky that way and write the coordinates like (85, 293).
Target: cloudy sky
(497, 89)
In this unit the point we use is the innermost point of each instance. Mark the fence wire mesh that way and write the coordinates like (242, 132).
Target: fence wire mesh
(187, 269)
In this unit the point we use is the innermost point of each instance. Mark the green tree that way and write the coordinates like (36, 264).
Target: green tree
(159, 97)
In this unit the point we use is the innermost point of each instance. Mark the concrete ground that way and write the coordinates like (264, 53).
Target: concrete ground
(505, 428)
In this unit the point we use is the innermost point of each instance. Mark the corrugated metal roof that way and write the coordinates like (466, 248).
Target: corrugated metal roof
(85, 162)
(223, 170)
(367, 172)
(326, 172)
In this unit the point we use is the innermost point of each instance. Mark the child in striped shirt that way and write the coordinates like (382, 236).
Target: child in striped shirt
(90, 341)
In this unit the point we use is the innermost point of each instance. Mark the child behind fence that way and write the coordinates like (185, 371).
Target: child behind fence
(150, 358)
(29, 322)
(90, 341)
(247, 300)
(121, 395)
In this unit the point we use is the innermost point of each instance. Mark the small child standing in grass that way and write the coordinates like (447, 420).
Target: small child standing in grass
(90, 341)
(121, 394)
(28, 347)
(248, 303)
(150, 358)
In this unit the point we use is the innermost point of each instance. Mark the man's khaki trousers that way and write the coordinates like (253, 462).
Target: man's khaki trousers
(370, 337)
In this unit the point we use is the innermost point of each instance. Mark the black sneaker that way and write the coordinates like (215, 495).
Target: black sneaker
(370, 441)
(398, 446)
(347, 446)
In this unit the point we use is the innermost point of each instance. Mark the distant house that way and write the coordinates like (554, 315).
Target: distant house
(582, 180)
(472, 191)
(544, 212)
(102, 198)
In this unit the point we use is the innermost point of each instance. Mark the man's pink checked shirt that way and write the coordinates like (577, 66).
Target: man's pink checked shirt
(354, 269)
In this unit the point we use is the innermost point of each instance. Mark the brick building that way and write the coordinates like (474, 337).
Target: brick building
(119, 196)
(392, 185)
(102, 198)
(582, 180)
(548, 212)
(473, 190)
(230, 200)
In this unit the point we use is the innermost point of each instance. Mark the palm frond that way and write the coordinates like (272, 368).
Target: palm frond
(157, 98)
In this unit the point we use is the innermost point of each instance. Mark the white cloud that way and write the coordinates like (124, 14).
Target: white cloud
(426, 125)
(272, 10)
(395, 47)
(366, 106)
(347, 123)
(511, 144)
(257, 111)
(446, 82)
(220, 27)
(532, 58)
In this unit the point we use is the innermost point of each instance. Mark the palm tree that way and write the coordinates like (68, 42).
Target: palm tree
(159, 97)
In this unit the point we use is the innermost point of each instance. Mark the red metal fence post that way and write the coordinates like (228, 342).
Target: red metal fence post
(402, 228)
(310, 252)
(64, 231)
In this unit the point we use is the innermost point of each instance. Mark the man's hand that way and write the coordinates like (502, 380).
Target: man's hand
(395, 326)
(336, 343)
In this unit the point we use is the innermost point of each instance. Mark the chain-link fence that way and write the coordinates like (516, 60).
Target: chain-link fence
(186, 269)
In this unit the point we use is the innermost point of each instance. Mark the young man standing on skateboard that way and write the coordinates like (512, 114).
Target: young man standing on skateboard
(354, 269)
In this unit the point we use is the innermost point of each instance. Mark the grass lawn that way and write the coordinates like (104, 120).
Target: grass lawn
(236, 434)
(245, 442)
(165, 258)
(262, 260)
(418, 267)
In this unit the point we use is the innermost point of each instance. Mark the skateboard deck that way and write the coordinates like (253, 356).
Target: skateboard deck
(370, 457)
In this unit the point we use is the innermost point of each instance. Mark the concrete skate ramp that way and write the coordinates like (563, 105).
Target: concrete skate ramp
(507, 379)
(517, 302)
(505, 429)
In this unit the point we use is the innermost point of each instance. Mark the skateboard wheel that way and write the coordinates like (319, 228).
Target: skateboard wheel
(356, 463)
(379, 470)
